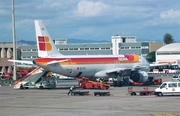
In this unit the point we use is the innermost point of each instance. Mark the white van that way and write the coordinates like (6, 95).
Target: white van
(176, 78)
(168, 88)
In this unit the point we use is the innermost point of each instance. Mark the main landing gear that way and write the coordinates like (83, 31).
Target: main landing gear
(121, 81)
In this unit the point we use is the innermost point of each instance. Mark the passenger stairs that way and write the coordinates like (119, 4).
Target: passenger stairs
(35, 79)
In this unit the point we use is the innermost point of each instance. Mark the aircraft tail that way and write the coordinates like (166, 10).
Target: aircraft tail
(45, 44)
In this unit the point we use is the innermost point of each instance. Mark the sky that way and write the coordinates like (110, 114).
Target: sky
(148, 20)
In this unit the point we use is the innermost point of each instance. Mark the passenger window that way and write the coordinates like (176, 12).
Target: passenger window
(172, 85)
(178, 84)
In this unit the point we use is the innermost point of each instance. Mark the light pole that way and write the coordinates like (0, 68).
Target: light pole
(14, 41)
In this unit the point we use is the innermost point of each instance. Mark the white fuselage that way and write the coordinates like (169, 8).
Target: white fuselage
(88, 66)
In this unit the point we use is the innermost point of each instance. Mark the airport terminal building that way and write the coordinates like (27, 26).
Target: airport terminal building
(118, 45)
(6, 52)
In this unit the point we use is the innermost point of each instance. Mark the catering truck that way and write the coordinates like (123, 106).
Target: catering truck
(168, 88)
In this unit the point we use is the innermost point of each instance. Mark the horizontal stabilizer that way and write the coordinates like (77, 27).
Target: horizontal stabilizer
(21, 61)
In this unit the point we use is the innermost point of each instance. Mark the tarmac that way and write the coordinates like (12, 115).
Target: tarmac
(56, 102)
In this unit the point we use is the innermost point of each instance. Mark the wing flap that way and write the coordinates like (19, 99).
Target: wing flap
(113, 72)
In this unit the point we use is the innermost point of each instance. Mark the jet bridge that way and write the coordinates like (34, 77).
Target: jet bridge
(35, 79)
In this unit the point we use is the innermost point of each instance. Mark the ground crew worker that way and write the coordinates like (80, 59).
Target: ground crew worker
(101, 83)
(72, 88)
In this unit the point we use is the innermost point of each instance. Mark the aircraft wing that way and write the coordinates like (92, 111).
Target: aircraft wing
(137, 67)
(117, 70)
(21, 61)
(123, 71)
(113, 72)
(120, 70)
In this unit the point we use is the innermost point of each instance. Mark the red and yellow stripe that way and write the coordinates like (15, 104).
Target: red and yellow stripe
(94, 60)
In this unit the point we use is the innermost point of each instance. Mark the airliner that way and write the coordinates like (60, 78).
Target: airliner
(98, 66)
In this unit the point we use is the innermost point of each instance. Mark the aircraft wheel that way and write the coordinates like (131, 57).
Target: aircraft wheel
(133, 93)
(26, 87)
(119, 83)
(115, 83)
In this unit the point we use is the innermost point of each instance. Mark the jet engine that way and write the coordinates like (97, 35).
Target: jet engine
(140, 76)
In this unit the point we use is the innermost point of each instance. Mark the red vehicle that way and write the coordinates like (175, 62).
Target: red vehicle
(85, 83)
(8, 76)
(22, 73)
(154, 82)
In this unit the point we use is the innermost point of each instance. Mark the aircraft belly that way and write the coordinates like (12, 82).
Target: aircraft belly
(83, 70)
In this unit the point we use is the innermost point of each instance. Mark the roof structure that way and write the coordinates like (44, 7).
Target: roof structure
(170, 47)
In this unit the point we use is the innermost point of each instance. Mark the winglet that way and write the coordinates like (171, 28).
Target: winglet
(45, 44)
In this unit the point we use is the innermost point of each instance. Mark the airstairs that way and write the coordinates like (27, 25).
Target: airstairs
(35, 79)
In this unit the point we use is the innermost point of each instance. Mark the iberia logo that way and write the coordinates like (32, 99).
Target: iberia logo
(44, 44)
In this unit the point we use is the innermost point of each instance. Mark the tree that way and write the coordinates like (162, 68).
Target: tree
(151, 57)
(168, 38)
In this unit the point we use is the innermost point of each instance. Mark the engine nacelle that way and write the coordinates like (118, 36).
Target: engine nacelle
(140, 76)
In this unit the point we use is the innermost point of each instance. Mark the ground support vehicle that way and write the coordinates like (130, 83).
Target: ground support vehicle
(145, 91)
(176, 77)
(151, 81)
(22, 73)
(5, 76)
(1, 75)
(85, 83)
(82, 93)
(36, 79)
(8, 76)
(168, 88)
(100, 93)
